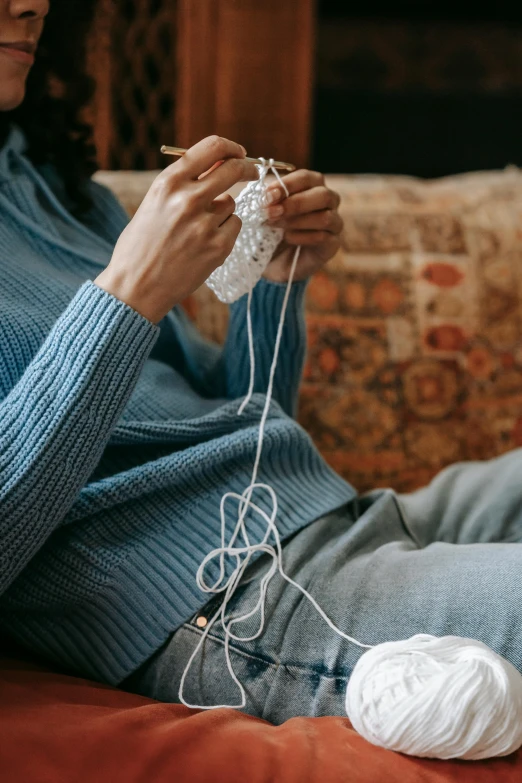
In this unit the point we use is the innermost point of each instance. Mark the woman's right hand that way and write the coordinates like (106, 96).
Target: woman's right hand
(183, 229)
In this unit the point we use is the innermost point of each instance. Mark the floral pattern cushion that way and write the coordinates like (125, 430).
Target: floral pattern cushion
(415, 356)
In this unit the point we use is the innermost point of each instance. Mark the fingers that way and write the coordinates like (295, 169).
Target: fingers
(302, 181)
(215, 166)
(329, 243)
(296, 181)
(322, 220)
(310, 200)
(228, 233)
(222, 207)
(207, 152)
(307, 237)
(221, 179)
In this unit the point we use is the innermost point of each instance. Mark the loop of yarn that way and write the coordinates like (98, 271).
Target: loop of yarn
(447, 697)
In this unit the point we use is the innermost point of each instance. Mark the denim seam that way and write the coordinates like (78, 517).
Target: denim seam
(304, 669)
(267, 661)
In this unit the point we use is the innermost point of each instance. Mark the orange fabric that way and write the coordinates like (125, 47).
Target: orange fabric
(59, 729)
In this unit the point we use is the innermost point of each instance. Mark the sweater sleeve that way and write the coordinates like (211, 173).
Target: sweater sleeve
(226, 371)
(58, 418)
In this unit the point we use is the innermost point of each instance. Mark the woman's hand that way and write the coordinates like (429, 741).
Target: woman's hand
(309, 218)
(183, 229)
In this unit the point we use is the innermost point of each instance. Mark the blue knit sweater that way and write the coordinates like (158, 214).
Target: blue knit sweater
(118, 437)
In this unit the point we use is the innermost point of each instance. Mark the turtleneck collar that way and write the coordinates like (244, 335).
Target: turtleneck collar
(27, 193)
(15, 140)
(16, 143)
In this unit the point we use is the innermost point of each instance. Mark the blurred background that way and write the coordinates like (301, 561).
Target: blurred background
(417, 87)
(412, 86)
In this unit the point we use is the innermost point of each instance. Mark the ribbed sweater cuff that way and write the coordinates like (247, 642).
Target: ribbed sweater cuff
(274, 293)
(59, 417)
(97, 337)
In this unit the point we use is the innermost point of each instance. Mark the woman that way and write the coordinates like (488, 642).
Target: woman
(119, 429)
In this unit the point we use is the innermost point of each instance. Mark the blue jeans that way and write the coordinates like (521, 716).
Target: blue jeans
(442, 560)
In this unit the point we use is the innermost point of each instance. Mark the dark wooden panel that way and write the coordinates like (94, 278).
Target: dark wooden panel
(195, 75)
(245, 72)
(99, 65)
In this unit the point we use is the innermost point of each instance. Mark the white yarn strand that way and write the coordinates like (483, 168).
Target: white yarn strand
(447, 697)
(262, 264)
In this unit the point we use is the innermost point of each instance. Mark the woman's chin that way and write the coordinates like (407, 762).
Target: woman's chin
(11, 96)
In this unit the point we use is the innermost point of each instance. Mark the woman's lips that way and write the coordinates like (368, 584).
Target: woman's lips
(17, 54)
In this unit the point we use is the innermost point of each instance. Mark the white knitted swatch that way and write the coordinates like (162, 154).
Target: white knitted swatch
(254, 246)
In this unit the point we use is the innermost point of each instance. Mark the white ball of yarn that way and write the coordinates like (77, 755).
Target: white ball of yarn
(439, 697)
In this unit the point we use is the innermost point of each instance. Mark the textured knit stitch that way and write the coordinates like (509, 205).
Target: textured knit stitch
(118, 437)
(255, 245)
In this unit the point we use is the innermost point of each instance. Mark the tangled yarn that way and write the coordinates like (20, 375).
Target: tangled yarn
(447, 697)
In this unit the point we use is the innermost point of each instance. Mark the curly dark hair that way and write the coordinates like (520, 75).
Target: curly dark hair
(58, 88)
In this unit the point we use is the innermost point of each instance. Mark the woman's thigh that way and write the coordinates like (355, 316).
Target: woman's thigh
(375, 583)
(469, 502)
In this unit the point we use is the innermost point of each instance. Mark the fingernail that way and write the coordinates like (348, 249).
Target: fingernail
(244, 150)
(273, 195)
(274, 212)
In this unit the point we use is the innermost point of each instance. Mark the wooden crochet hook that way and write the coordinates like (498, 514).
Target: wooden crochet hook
(278, 164)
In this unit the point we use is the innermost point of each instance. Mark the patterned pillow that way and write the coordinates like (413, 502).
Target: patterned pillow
(415, 356)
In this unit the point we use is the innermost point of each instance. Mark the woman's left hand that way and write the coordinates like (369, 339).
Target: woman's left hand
(309, 218)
